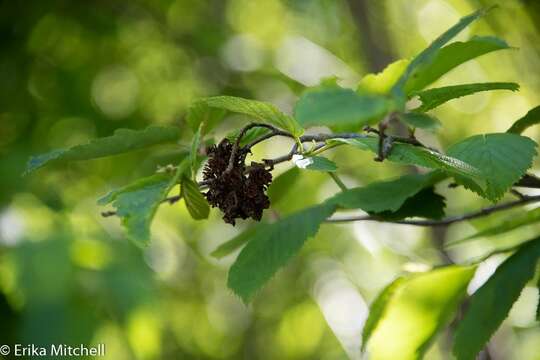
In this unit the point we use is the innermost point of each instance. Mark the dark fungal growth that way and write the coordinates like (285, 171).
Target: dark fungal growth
(239, 192)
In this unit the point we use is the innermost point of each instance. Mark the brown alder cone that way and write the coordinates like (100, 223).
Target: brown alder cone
(237, 193)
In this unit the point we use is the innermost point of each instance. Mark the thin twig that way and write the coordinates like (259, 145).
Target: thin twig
(444, 222)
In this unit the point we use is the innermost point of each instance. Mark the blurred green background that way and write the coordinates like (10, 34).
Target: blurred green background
(75, 70)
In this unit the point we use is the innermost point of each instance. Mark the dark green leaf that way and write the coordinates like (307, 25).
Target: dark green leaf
(490, 304)
(501, 158)
(378, 308)
(426, 203)
(530, 119)
(451, 56)
(122, 141)
(256, 109)
(137, 203)
(427, 56)
(282, 184)
(415, 155)
(195, 201)
(416, 311)
(228, 247)
(319, 163)
(249, 136)
(419, 120)
(382, 195)
(434, 97)
(338, 108)
(271, 246)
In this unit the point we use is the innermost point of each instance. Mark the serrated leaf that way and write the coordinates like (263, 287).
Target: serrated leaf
(320, 163)
(419, 307)
(137, 203)
(426, 203)
(378, 308)
(196, 203)
(419, 120)
(228, 247)
(531, 118)
(123, 140)
(434, 97)
(339, 108)
(271, 246)
(415, 155)
(501, 158)
(259, 110)
(282, 184)
(426, 57)
(490, 304)
(451, 56)
(516, 221)
(381, 83)
(382, 195)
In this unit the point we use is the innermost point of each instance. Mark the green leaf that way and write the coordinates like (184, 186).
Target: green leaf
(490, 304)
(378, 308)
(382, 195)
(426, 203)
(249, 136)
(417, 309)
(434, 97)
(282, 184)
(123, 140)
(137, 203)
(196, 203)
(427, 56)
(199, 112)
(256, 109)
(501, 158)
(271, 246)
(451, 56)
(419, 120)
(530, 119)
(228, 247)
(339, 108)
(194, 154)
(415, 155)
(516, 221)
(381, 83)
(319, 163)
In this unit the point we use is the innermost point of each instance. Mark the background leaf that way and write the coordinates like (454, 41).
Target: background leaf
(271, 246)
(417, 309)
(199, 112)
(502, 159)
(490, 304)
(282, 184)
(339, 108)
(434, 97)
(382, 195)
(381, 83)
(378, 308)
(259, 110)
(195, 201)
(419, 120)
(427, 56)
(531, 118)
(426, 203)
(451, 56)
(228, 247)
(123, 140)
